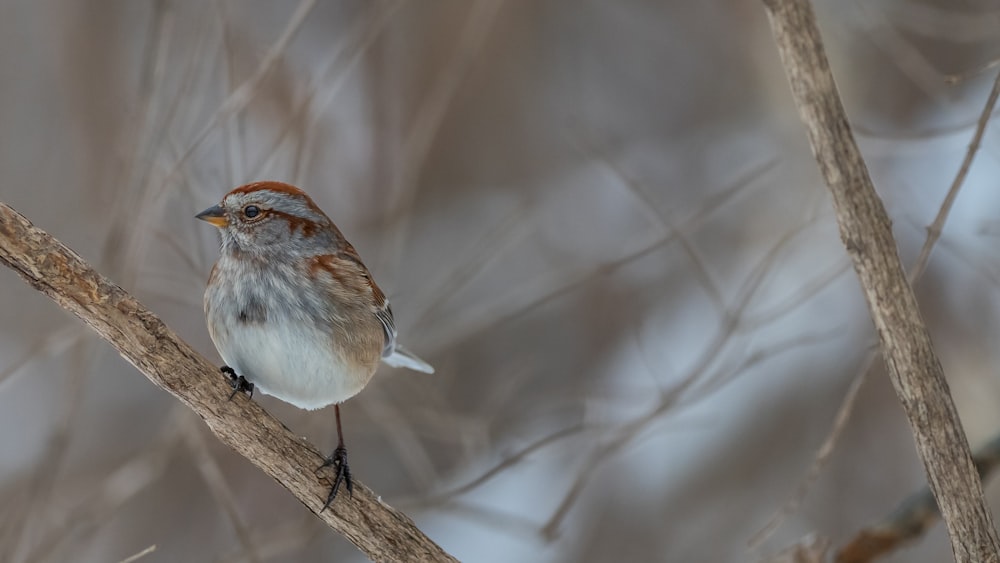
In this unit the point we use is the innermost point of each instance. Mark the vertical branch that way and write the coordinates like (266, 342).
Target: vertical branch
(866, 231)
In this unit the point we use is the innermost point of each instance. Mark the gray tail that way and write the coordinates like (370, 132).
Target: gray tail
(403, 358)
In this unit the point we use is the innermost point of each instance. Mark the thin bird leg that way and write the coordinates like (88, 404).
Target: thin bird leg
(339, 462)
(237, 382)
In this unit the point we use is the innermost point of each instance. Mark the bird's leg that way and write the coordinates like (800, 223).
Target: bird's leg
(237, 382)
(339, 462)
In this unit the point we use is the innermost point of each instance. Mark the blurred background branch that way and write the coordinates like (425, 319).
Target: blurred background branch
(911, 519)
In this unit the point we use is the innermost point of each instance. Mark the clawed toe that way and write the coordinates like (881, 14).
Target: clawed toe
(237, 382)
(342, 471)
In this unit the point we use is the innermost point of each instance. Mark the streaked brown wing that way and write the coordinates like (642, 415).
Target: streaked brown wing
(381, 308)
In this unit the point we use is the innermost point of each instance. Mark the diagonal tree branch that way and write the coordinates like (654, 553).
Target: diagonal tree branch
(381, 532)
(866, 231)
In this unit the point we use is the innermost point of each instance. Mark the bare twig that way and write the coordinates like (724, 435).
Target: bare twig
(137, 556)
(507, 463)
(865, 228)
(381, 532)
(823, 454)
(934, 231)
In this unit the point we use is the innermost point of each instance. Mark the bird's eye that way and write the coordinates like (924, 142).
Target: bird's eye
(251, 211)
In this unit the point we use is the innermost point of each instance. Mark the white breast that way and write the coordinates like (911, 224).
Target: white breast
(293, 361)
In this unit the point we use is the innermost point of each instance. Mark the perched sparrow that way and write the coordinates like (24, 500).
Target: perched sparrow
(292, 308)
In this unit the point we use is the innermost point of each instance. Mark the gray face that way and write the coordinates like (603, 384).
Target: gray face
(266, 221)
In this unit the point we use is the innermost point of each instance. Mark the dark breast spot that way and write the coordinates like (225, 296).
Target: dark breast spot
(253, 311)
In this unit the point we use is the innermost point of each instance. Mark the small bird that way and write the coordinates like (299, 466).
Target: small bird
(293, 310)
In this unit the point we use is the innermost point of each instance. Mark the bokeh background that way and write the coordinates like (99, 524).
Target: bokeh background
(600, 221)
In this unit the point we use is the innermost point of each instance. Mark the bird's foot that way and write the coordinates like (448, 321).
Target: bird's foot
(237, 382)
(343, 474)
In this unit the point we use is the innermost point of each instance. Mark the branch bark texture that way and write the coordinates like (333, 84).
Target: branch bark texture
(866, 231)
(381, 532)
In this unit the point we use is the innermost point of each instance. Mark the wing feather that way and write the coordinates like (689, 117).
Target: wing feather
(381, 308)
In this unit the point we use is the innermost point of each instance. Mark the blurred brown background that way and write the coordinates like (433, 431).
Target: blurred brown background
(600, 221)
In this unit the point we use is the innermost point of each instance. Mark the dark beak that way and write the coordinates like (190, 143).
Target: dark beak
(215, 215)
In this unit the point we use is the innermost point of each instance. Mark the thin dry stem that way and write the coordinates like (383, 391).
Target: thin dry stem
(826, 449)
(934, 230)
(137, 556)
(661, 218)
